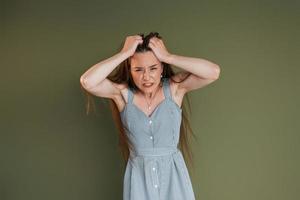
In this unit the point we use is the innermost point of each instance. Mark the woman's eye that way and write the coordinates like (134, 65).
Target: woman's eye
(153, 68)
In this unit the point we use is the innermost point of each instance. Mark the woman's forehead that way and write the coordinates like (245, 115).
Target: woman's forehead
(143, 59)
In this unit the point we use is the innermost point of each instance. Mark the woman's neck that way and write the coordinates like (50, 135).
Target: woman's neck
(149, 95)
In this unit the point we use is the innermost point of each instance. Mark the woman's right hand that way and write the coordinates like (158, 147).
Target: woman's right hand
(131, 43)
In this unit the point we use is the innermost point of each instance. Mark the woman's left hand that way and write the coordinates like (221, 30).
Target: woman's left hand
(159, 49)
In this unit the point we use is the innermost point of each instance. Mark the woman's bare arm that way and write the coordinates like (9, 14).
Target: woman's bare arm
(202, 72)
(98, 72)
(94, 79)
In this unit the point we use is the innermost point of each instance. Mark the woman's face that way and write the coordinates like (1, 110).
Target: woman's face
(145, 71)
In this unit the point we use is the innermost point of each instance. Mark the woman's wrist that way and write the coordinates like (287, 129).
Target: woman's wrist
(124, 55)
(169, 59)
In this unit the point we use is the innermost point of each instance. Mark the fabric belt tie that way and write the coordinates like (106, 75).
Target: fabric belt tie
(158, 151)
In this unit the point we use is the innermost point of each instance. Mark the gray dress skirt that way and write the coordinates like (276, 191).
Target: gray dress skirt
(156, 169)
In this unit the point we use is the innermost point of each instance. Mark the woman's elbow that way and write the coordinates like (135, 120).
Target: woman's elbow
(217, 71)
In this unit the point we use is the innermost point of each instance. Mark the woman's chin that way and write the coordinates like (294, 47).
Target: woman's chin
(149, 89)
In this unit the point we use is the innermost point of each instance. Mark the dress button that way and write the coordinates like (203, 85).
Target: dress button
(155, 186)
(151, 137)
(153, 168)
(150, 122)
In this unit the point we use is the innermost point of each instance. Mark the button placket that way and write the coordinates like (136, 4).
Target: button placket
(151, 136)
(154, 176)
(171, 111)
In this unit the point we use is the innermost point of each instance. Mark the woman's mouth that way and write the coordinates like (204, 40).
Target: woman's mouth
(147, 84)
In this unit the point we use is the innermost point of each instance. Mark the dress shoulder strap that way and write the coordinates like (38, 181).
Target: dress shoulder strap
(130, 95)
(166, 88)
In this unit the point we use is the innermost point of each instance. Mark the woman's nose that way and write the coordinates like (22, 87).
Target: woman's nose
(146, 75)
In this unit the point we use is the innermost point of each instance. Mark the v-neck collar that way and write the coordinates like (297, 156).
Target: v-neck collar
(156, 108)
(153, 112)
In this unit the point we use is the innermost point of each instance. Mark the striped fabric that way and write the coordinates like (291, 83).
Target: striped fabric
(156, 169)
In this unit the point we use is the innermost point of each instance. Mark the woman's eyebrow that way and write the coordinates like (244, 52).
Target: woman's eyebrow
(148, 66)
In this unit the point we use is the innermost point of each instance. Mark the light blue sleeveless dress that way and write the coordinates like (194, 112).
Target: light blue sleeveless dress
(156, 169)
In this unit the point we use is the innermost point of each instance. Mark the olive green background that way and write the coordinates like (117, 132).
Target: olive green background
(247, 122)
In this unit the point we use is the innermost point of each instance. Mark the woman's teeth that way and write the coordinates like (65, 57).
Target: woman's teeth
(148, 85)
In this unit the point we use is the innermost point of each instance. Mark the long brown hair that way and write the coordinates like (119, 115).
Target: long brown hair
(121, 75)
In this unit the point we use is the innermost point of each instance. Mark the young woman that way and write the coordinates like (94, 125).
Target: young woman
(147, 98)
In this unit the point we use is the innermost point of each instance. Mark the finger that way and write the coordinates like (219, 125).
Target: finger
(153, 39)
(156, 39)
(139, 39)
(152, 43)
(159, 41)
(161, 44)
